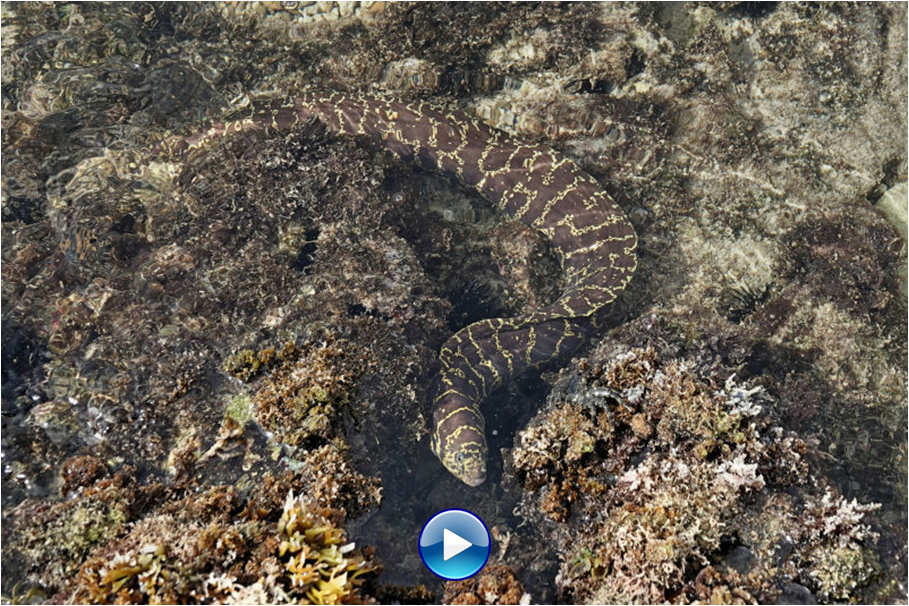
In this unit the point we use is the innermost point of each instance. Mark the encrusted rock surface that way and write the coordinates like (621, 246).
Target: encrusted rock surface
(670, 483)
(496, 584)
(188, 340)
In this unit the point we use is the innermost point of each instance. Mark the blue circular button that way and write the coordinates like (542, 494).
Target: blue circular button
(454, 544)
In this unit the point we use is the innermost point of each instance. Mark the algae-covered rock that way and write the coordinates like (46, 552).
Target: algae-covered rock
(218, 545)
(672, 481)
(495, 584)
(755, 366)
(52, 539)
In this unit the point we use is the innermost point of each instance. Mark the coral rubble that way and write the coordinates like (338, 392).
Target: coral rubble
(667, 472)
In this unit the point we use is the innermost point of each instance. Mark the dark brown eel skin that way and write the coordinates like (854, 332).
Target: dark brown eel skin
(591, 236)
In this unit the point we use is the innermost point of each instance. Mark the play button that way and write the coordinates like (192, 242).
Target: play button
(454, 544)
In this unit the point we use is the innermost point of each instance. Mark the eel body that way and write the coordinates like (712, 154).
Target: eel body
(590, 234)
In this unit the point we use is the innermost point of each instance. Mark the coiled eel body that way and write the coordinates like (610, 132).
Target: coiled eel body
(589, 232)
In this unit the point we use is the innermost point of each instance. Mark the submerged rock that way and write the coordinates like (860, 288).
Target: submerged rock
(662, 477)
(894, 205)
(495, 584)
(747, 396)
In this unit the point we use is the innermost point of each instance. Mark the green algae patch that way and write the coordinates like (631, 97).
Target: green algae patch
(247, 364)
(240, 408)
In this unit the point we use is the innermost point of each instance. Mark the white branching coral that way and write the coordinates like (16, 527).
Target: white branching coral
(835, 516)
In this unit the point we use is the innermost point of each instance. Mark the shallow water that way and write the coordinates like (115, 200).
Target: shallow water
(750, 149)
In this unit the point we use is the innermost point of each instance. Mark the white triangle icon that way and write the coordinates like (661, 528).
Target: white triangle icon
(453, 544)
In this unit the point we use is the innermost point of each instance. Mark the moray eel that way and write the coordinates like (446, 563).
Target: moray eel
(591, 236)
